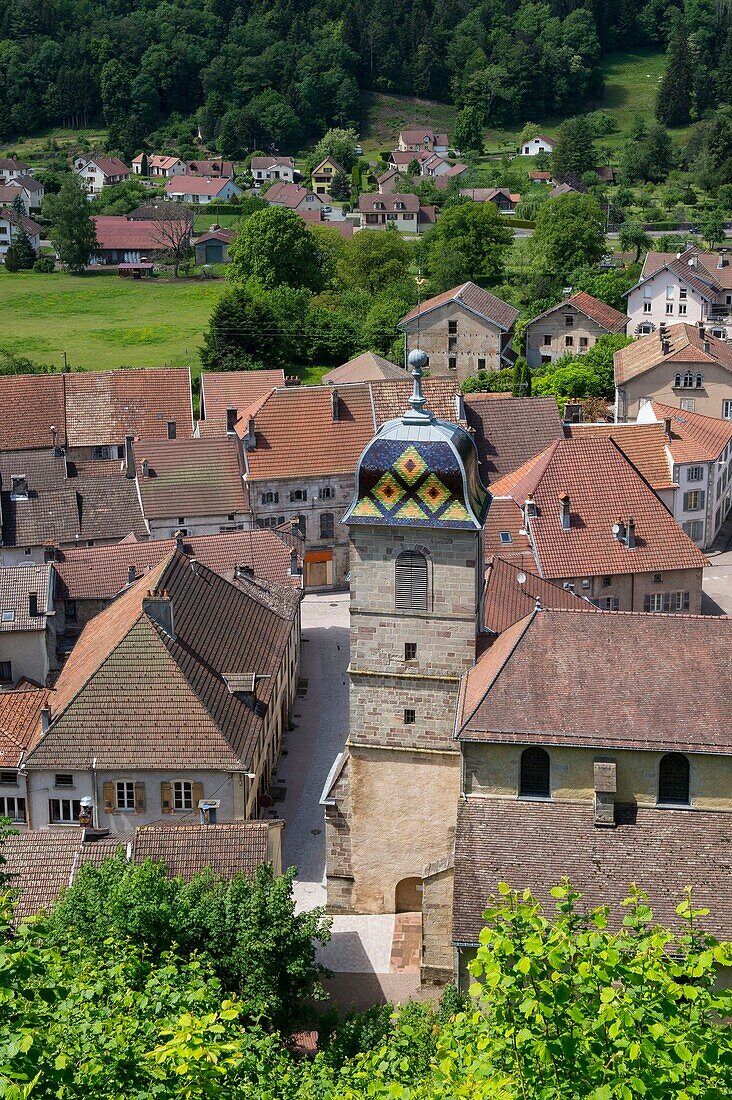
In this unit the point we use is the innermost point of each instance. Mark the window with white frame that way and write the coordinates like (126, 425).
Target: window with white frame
(648, 291)
(670, 293)
(125, 794)
(682, 293)
(679, 601)
(695, 473)
(13, 808)
(669, 309)
(270, 498)
(64, 811)
(654, 601)
(609, 603)
(727, 410)
(687, 404)
(682, 309)
(182, 796)
(647, 307)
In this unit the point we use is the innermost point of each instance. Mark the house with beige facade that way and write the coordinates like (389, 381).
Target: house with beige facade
(171, 705)
(99, 172)
(27, 625)
(401, 211)
(572, 327)
(415, 140)
(689, 287)
(464, 330)
(682, 365)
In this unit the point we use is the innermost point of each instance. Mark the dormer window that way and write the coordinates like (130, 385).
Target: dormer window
(379, 206)
(18, 487)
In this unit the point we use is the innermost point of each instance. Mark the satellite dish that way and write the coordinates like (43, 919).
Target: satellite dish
(521, 578)
(616, 529)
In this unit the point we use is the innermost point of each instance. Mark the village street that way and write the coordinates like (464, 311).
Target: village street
(367, 969)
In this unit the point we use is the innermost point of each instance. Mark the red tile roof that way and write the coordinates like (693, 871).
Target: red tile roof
(236, 389)
(694, 437)
(144, 235)
(535, 845)
(510, 430)
(16, 585)
(102, 407)
(110, 166)
(191, 477)
(367, 367)
(196, 185)
(290, 195)
(392, 201)
(685, 345)
(214, 168)
(101, 572)
(643, 444)
(506, 600)
(31, 227)
(29, 406)
(20, 721)
(505, 518)
(603, 487)
(474, 299)
(228, 849)
(612, 320)
(391, 396)
(552, 679)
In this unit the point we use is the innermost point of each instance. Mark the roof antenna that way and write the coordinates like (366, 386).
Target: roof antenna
(418, 360)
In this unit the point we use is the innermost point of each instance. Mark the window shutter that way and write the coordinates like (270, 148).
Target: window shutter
(197, 794)
(647, 603)
(667, 601)
(166, 798)
(702, 498)
(411, 581)
(110, 802)
(686, 502)
(140, 798)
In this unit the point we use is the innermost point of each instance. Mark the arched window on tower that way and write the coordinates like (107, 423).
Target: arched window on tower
(673, 779)
(534, 779)
(411, 581)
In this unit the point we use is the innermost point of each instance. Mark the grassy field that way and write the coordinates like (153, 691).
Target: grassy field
(56, 142)
(384, 115)
(102, 321)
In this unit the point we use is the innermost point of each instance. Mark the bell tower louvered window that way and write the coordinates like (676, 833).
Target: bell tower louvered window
(411, 581)
(534, 780)
(673, 779)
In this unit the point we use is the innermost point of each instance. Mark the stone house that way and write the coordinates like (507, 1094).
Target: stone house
(322, 176)
(573, 326)
(21, 721)
(463, 331)
(11, 224)
(690, 287)
(89, 578)
(172, 704)
(423, 139)
(683, 366)
(201, 190)
(158, 166)
(192, 486)
(392, 208)
(536, 145)
(27, 624)
(583, 516)
(100, 172)
(272, 168)
(699, 450)
(608, 780)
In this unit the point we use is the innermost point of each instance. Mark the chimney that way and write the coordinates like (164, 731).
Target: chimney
(129, 457)
(232, 415)
(564, 511)
(459, 406)
(250, 439)
(33, 605)
(54, 435)
(694, 261)
(294, 564)
(605, 790)
(335, 405)
(665, 345)
(707, 347)
(145, 468)
(667, 426)
(158, 606)
(723, 261)
(45, 719)
(178, 540)
(700, 329)
(18, 487)
(530, 509)
(630, 537)
(131, 574)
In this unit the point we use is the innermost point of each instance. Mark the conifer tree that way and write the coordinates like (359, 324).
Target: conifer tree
(673, 101)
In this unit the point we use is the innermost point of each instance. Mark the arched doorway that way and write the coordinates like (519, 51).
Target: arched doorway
(408, 896)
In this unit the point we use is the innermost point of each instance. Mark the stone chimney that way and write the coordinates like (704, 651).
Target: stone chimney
(459, 406)
(131, 574)
(129, 457)
(145, 468)
(250, 439)
(630, 537)
(564, 514)
(294, 564)
(158, 606)
(246, 571)
(335, 405)
(45, 719)
(178, 540)
(33, 605)
(667, 426)
(605, 790)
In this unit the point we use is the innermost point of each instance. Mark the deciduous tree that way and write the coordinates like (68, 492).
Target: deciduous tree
(72, 232)
(569, 233)
(477, 240)
(275, 248)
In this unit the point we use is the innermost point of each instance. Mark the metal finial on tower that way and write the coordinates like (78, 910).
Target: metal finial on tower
(418, 360)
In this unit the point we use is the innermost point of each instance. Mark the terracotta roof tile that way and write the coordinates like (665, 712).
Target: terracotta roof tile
(101, 572)
(506, 601)
(643, 444)
(610, 319)
(685, 346)
(16, 583)
(367, 367)
(30, 405)
(41, 863)
(191, 477)
(552, 679)
(603, 486)
(534, 845)
(142, 234)
(390, 398)
(390, 201)
(505, 535)
(236, 389)
(694, 437)
(510, 431)
(196, 184)
(214, 168)
(20, 721)
(228, 849)
(102, 407)
(475, 299)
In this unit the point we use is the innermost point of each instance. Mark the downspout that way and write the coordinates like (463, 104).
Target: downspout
(95, 817)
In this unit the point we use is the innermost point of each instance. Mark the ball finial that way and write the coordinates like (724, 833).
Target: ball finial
(418, 359)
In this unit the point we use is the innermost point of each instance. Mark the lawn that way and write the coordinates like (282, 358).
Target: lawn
(383, 116)
(102, 321)
(55, 142)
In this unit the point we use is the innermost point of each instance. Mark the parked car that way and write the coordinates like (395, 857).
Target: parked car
(327, 209)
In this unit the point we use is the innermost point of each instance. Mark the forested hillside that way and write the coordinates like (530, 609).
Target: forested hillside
(266, 72)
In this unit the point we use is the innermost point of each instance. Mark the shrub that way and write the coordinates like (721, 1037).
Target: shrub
(44, 265)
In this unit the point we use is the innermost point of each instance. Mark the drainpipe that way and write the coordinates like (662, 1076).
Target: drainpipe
(95, 816)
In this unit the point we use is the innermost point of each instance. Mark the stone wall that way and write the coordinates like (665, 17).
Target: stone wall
(438, 965)
(632, 588)
(477, 343)
(555, 327)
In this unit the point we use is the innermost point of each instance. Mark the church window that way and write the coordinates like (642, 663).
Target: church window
(673, 779)
(534, 782)
(411, 581)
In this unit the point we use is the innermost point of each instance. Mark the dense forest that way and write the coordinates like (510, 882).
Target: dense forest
(264, 73)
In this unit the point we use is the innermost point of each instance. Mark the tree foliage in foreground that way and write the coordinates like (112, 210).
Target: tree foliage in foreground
(565, 1008)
